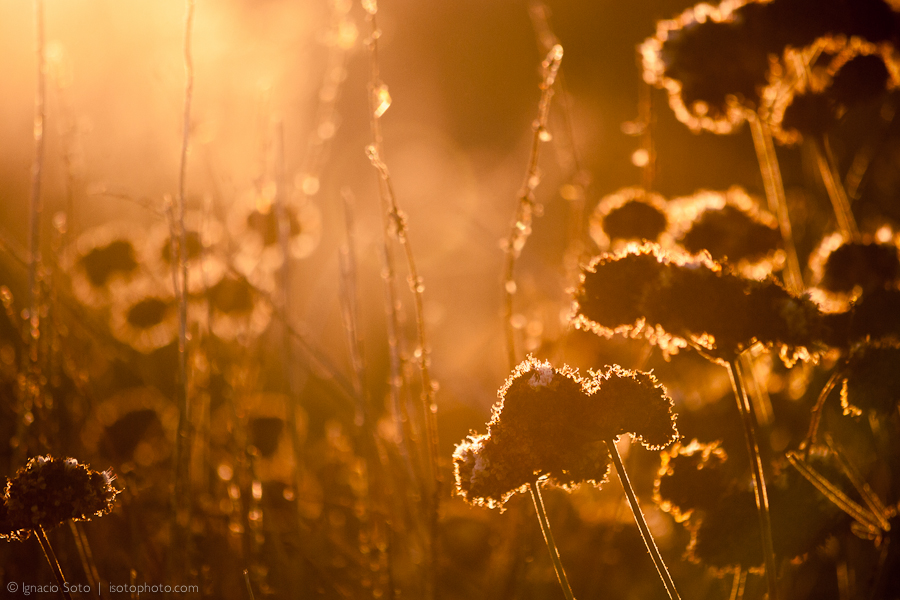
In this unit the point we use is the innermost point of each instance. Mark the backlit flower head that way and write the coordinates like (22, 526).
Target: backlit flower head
(872, 382)
(628, 215)
(237, 309)
(49, 491)
(731, 227)
(673, 299)
(843, 270)
(145, 316)
(691, 477)
(552, 423)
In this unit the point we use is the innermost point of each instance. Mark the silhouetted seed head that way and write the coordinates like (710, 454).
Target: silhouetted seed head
(551, 423)
(672, 298)
(731, 227)
(711, 63)
(630, 214)
(102, 262)
(49, 491)
(727, 536)
(807, 101)
(691, 477)
(872, 382)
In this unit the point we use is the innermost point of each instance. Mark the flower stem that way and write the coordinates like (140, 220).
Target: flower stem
(836, 192)
(641, 522)
(535, 490)
(748, 418)
(51, 560)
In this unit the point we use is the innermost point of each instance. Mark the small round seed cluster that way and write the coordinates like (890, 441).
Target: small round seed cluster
(49, 491)
(553, 423)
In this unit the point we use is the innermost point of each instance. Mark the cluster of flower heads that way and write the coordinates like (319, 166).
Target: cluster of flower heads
(674, 299)
(807, 101)
(49, 491)
(729, 225)
(717, 61)
(553, 423)
(697, 486)
(113, 269)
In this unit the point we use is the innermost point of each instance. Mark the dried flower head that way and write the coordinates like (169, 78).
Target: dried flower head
(691, 477)
(731, 227)
(674, 299)
(237, 309)
(629, 214)
(145, 316)
(49, 491)
(872, 382)
(552, 423)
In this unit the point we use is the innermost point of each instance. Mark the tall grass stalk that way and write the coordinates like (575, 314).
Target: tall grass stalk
(774, 187)
(649, 542)
(521, 226)
(748, 420)
(379, 101)
(535, 489)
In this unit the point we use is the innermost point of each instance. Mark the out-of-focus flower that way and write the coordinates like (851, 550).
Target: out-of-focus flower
(628, 215)
(552, 423)
(731, 227)
(203, 234)
(237, 309)
(49, 491)
(145, 316)
(254, 224)
(103, 261)
(674, 299)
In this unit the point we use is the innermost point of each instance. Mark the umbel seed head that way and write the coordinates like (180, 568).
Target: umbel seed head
(553, 423)
(49, 491)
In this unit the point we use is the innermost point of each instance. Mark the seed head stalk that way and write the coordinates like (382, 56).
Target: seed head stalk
(641, 522)
(521, 226)
(535, 489)
(748, 419)
(379, 101)
(51, 560)
(836, 192)
(771, 175)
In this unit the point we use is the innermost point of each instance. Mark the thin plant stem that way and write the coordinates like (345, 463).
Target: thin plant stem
(37, 168)
(748, 419)
(771, 175)
(521, 226)
(85, 554)
(247, 582)
(51, 560)
(816, 412)
(180, 501)
(641, 522)
(535, 489)
(738, 585)
(379, 101)
(836, 192)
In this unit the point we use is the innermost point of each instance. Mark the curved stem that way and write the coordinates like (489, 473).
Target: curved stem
(641, 522)
(51, 560)
(535, 490)
(748, 419)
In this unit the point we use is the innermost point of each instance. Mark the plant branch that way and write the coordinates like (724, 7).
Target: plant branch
(534, 488)
(51, 560)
